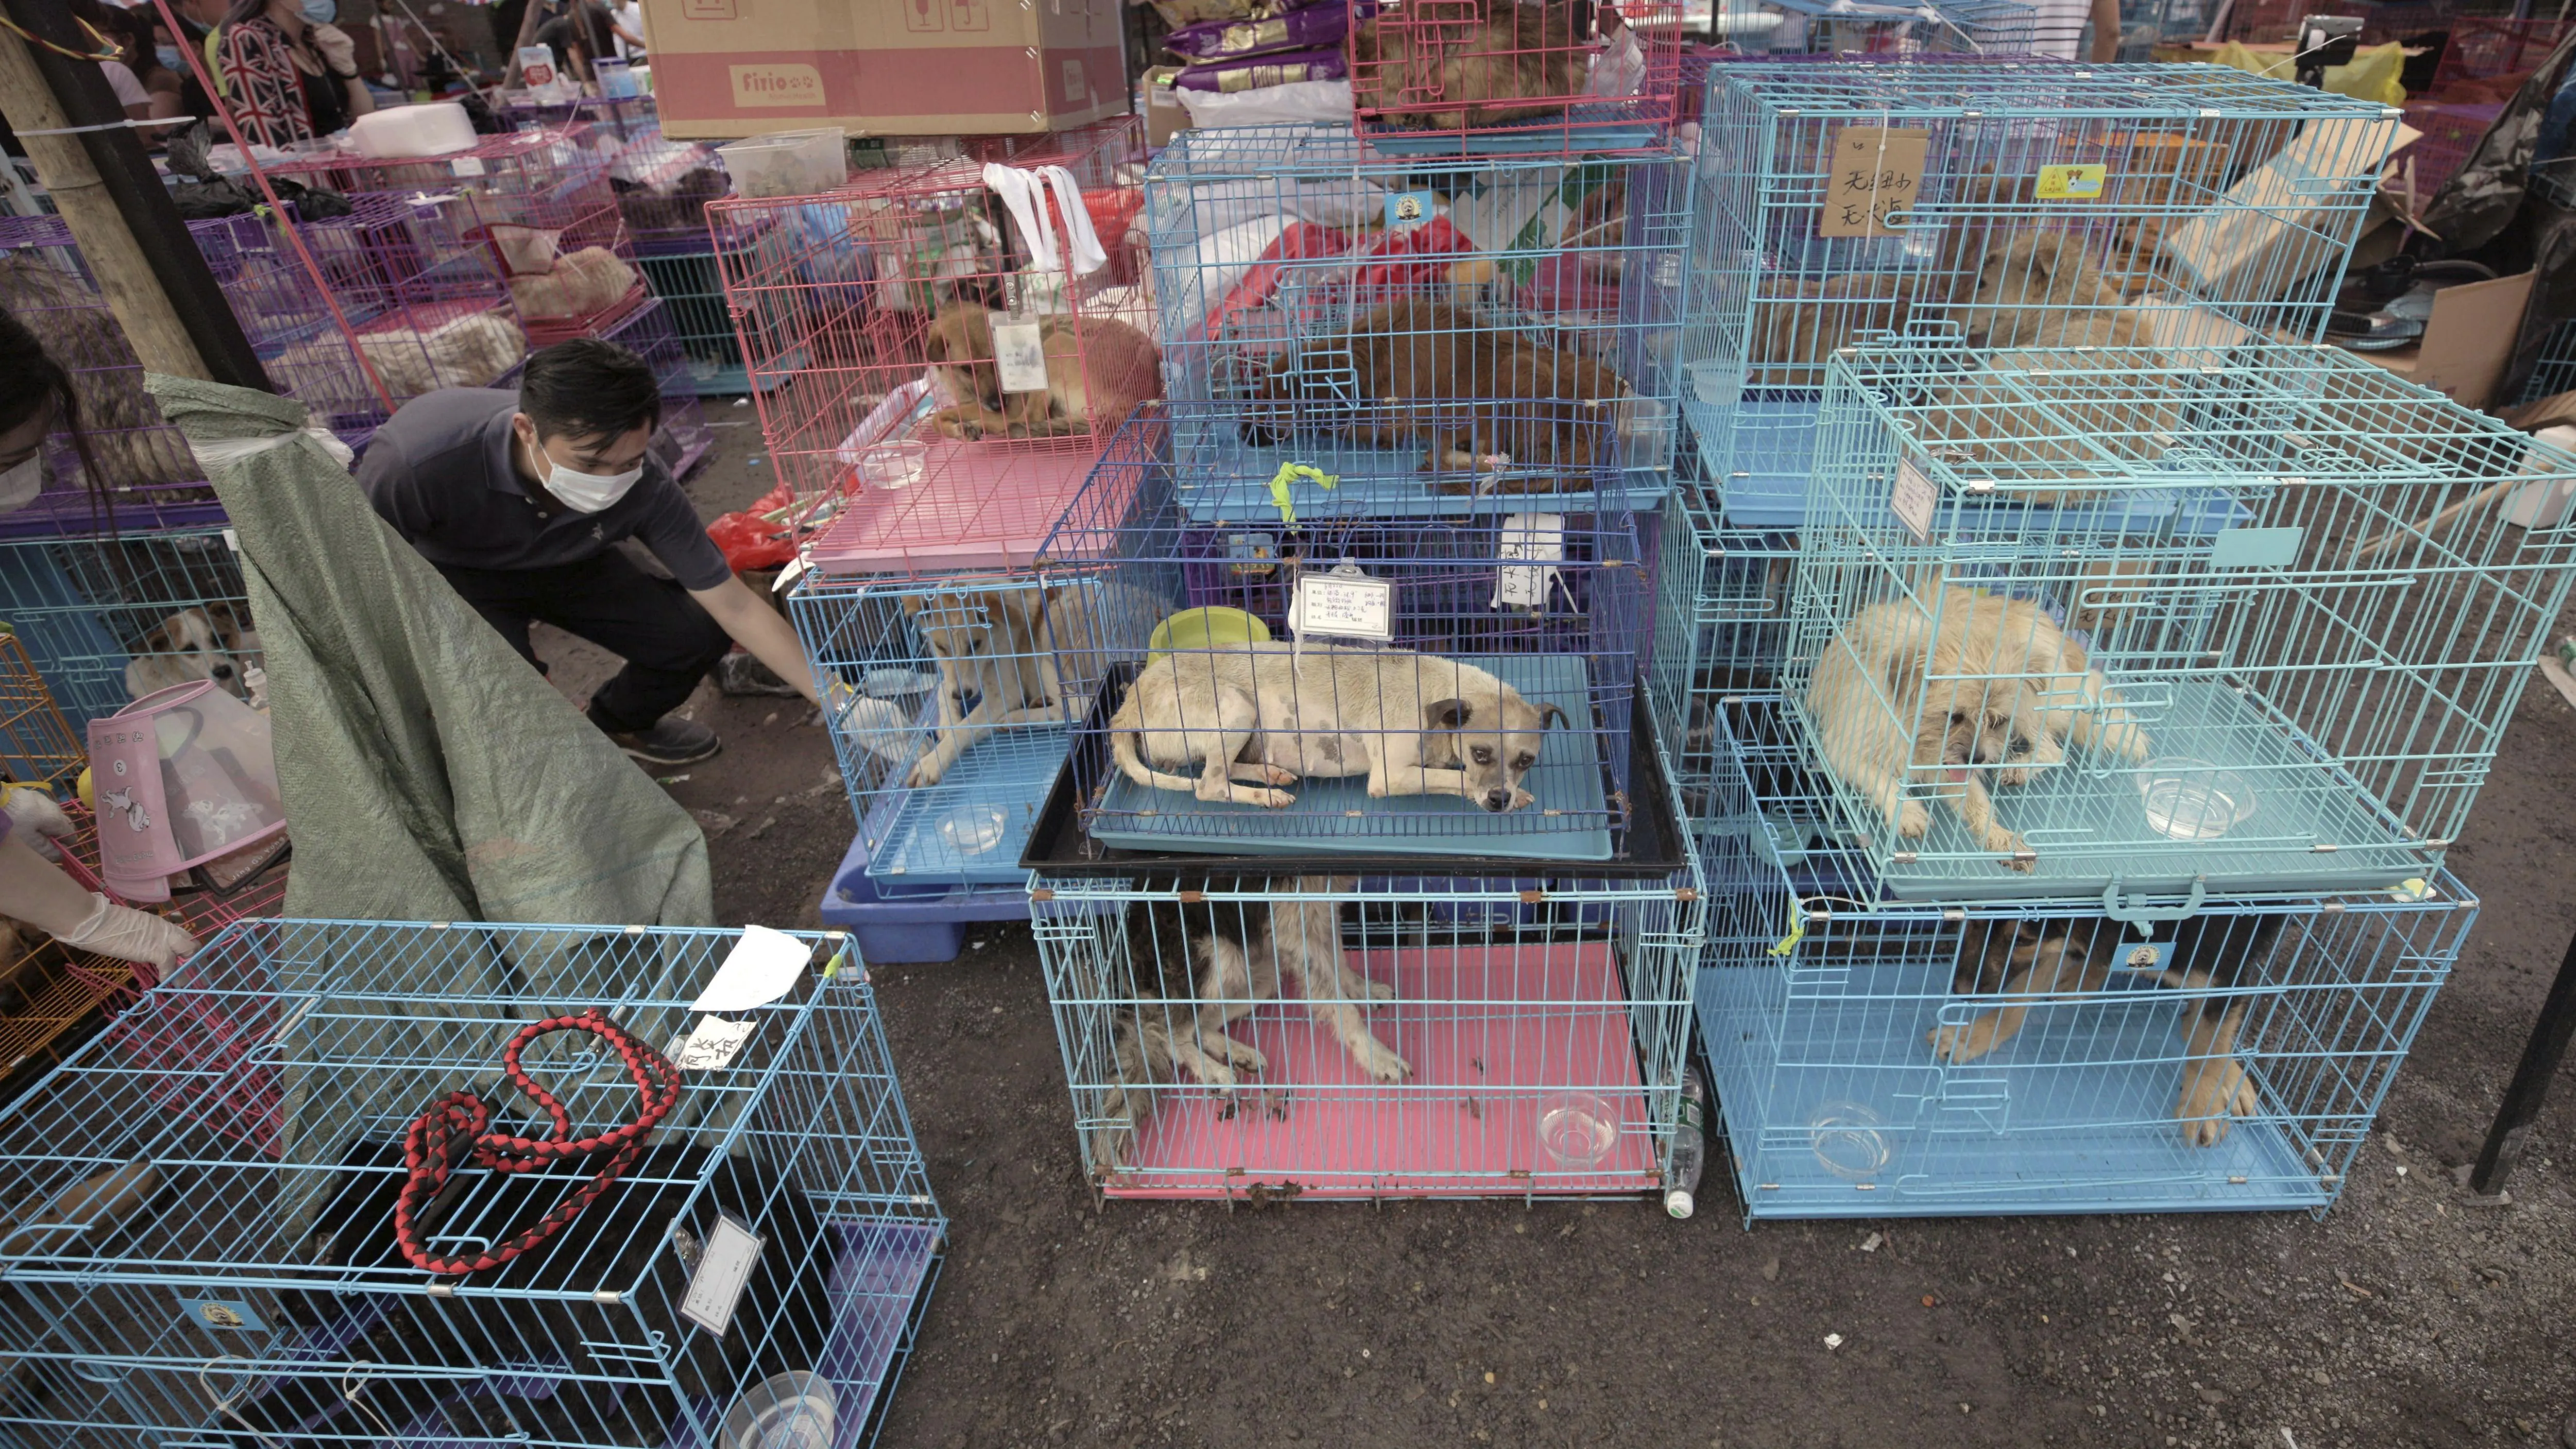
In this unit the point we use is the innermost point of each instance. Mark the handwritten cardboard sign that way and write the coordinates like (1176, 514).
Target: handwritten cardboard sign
(1877, 175)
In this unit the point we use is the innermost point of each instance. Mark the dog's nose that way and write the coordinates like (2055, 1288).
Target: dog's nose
(222, 671)
(1498, 799)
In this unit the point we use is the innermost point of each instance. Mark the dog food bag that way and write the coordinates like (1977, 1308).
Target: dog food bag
(1256, 72)
(1183, 14)
(1319, 25)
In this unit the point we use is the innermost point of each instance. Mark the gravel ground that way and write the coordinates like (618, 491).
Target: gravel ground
(2407, 1316)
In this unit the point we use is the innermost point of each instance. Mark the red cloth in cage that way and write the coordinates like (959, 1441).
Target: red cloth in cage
(1400, 263)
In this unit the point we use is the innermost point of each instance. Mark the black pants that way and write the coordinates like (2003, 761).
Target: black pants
(666, 639)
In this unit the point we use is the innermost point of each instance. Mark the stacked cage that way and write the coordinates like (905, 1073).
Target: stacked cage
(1838, 27)
(1490, 77)
(2092, 846)
(940, 351)
(220, 1242)
(1348, 334)
(663, 187)
(2012, 204)
(1364, 876)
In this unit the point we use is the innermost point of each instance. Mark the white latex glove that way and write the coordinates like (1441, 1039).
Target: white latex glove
(338, 51)
(36, 819)
(129, 935)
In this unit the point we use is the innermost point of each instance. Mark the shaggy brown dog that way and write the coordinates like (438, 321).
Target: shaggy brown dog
(1514, 63)
(1098, 370)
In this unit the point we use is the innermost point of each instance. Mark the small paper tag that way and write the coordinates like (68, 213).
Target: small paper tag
(713, 1046)
(1344, 605)
(466, 166)
(2072, 183)
(229, 1314)
(2256, 548)
(1877, 172)
(1538, 537)
(1408, 208)
(725, 1262)
(1915, 498)
(232, 540)
(1020, 349)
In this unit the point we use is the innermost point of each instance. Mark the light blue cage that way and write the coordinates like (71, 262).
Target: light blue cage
(2555, 372)
(200, 1249)
(1721, 621)
(1441, 336)
(108, 620)
(2248, 1083)
(2272, 599)
(1875, 27)
(1525, 1035)
(1551, 606)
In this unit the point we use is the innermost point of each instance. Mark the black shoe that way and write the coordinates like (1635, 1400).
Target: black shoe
(671, 741)
(741, 672)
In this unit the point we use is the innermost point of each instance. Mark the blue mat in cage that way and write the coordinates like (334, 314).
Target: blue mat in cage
(1219, 478)
(970, 827)
(2088, 822)
(1603, 126)
(1835, 1107)
(1338, 815)
(1764, 478)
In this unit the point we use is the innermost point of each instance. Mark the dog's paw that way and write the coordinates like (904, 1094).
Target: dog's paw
(1384, 1065)
(1242, 1055)
(926, 771)
(2015, 851)
(2213, 1093)
(952, 424)
(1361, 988)
(1520, 798)
(1912, 820)
(1270, 799)
(1966, 1041)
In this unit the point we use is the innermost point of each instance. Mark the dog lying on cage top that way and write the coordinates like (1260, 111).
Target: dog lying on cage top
(2030, 961)
(1993, 688)
(1418, 69)
(1098, 369)
(215, 642)
(1450, 381)
(1186, 1031)
(1001, 646)
(1270, 714)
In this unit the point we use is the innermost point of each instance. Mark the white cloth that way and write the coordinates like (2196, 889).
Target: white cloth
(120, 79)
(1023, 191)
(2057, 26)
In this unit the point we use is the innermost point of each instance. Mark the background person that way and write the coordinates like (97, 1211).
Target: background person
(288, 73)
(521, 499)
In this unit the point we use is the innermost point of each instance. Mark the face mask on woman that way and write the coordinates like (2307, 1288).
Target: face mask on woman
(321, 12)
(170, 58)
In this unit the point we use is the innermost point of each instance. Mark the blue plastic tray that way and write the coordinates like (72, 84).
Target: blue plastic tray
(972, 825)
(2074, 1115)
(1337, 815)
(1218, 478)
(1602, 126)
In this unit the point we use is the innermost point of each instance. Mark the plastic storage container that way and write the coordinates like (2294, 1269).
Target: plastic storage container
(432, 129)
(182, 776)
(787, 163)
(911, 929)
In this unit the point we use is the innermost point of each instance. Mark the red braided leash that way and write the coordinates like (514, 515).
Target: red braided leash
(457, 1126)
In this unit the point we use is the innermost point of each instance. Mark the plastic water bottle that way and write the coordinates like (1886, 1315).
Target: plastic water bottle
(1690, 1147)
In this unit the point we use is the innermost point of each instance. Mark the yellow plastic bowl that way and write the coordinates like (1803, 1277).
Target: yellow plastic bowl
(1210, 628)
(86, 802)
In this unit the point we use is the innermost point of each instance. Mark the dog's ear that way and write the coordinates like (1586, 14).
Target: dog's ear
(912, 606)
(1446, 714)
(1549, 715)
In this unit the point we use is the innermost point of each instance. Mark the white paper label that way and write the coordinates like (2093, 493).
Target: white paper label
(1342, 605)
(762, 967)
(1021, 353)
(1914, 499)
(466, 166)
(724, 1270)
(1539, 537)
(713, 1046)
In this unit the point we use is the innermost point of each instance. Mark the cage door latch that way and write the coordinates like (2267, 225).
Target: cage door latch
(2137, 912)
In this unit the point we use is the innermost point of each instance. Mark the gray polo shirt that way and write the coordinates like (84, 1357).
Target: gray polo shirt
(439, 471)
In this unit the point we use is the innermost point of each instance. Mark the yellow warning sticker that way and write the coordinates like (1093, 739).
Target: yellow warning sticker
(2071, 183)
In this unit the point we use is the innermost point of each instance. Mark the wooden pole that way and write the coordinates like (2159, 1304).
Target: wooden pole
(146, 264)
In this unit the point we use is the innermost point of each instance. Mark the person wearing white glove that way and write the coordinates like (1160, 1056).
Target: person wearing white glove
(35, 819)
(38, 893)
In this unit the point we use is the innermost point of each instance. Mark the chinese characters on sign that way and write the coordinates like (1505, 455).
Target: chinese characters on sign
(1876, 173)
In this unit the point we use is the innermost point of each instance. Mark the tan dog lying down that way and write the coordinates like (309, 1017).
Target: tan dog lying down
(1415, 724)
(1994, 689)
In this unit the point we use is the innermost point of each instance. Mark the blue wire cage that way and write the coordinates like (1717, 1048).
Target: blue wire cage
(950, 702)
(1456, 1037)
(1456, 618)
(200, 1246)
(1431, 333)
(1876, 28)
(2027, 203)
(2255, 619)
(1721, 625)
(108, 620)
(1880, 1058)
(2555, 371)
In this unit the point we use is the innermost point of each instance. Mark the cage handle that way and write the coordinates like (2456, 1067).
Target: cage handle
(2136, 914)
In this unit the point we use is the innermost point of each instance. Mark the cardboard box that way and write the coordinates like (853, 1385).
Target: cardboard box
(2467, 342)
(724, 69)
(2555, 411)
(1165, 116)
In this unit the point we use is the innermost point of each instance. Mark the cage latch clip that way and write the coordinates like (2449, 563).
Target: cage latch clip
(2139, 914)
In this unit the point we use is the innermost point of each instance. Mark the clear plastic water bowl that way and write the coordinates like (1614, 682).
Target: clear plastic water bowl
(2187, 799)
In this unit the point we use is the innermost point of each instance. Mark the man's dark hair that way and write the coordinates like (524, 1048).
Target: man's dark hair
(587, 388)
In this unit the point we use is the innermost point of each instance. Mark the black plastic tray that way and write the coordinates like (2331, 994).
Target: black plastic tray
(1652, 844)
